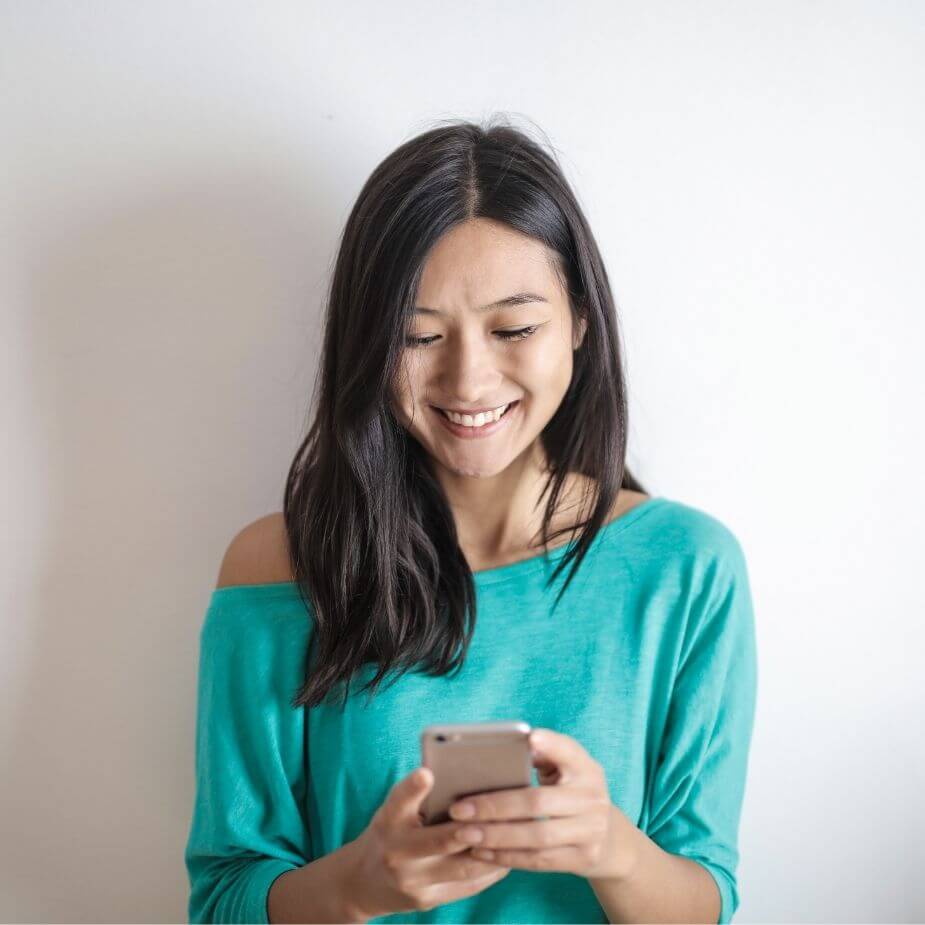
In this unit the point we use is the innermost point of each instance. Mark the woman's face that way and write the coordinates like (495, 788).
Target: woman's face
(465, 353)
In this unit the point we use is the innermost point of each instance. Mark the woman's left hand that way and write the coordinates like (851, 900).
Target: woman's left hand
(582, 834)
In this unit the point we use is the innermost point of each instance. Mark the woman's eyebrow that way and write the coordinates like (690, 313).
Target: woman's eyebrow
(511, 301)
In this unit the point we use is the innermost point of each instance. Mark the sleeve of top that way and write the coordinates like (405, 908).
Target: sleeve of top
(699, 781)
(249, 824)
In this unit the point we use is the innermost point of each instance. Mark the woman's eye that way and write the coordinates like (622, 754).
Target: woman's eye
(519, 334)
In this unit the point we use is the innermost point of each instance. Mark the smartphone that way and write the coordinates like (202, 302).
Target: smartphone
(471, 758)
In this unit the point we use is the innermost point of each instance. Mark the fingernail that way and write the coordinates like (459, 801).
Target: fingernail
(472, 835)
(462, 811)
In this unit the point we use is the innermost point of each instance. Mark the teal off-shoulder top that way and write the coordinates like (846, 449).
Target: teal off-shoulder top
(649, 662)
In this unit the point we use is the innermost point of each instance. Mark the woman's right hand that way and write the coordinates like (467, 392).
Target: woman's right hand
(402, 865)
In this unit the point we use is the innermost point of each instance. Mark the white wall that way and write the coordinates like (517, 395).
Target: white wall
(174, 178)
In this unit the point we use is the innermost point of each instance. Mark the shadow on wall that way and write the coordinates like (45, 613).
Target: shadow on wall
(172, 348)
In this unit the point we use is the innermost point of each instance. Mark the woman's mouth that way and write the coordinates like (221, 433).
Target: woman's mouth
(470, 432)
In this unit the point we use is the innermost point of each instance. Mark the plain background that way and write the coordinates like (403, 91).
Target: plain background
(174, 179)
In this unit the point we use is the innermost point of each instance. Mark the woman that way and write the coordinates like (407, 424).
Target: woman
(468, 283)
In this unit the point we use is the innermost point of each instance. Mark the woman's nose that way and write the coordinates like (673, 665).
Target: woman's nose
(469, 373)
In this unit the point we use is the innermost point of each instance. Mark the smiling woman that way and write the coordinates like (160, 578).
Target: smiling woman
(477, 364)
(467, 280)
(464, 466)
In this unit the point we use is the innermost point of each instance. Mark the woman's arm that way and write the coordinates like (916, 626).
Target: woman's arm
(690, 831)
(250, 822)
(317, 892)
(658, 886)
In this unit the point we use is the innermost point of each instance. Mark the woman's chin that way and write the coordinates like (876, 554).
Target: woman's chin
(472, 469)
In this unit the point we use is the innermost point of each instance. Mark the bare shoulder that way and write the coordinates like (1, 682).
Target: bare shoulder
(258, 554)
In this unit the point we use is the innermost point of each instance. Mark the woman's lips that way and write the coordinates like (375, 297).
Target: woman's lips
(475, 433)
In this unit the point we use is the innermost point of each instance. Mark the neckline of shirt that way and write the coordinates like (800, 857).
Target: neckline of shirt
(482, 578)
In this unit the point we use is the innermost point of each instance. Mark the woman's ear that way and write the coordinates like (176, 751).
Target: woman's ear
(580, 330)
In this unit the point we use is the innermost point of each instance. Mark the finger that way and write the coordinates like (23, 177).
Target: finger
(441, 893)
(405, 798)
(418, 840)
(568, 858)
(526, 803)
(566, 753)
(432, 840)
(464, 868)
(547, 771)
(541, 834)
(473, 871)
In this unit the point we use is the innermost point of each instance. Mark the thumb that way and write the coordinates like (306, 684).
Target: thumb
(409, 793)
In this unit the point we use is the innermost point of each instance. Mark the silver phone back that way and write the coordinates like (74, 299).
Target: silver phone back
(470, 758)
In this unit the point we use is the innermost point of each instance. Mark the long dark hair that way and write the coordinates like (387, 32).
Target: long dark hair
(372, 539)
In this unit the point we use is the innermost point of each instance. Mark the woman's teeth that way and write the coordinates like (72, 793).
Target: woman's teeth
(477, 420)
